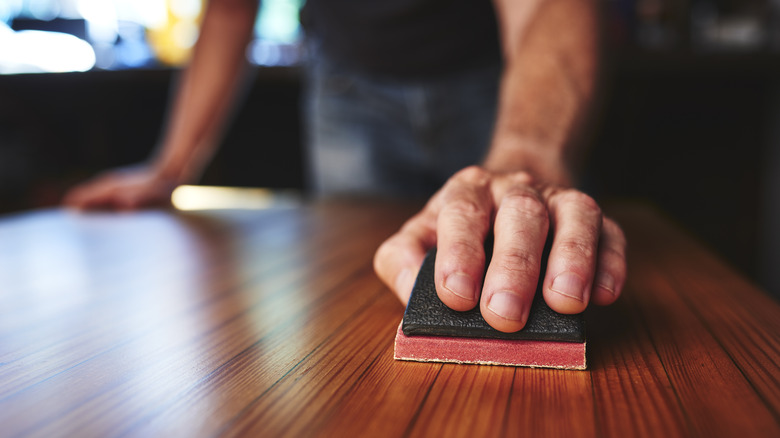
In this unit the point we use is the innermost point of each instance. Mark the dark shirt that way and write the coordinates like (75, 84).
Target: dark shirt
(405, 38)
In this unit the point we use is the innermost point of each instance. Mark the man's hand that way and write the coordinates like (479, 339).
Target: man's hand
(586, 262)
(125, 189)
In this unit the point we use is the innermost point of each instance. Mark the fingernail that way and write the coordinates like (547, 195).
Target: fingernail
(507, 305)
(606, 281)
(460, 284)
(570, 285)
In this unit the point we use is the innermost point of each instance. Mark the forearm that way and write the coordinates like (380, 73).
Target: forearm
(551, 57)
(206, 90)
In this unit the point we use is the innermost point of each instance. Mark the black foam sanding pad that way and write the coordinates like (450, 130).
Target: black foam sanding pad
(426, 315)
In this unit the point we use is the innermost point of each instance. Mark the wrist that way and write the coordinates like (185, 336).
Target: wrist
(179, 162)
(546, 162)
(169, 170)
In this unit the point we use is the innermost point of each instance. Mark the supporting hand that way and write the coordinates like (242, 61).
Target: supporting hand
(125, 189)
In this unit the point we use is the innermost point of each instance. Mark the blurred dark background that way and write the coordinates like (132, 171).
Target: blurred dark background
(690, 117)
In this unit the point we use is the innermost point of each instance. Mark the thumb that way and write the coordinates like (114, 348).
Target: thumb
(397, 262)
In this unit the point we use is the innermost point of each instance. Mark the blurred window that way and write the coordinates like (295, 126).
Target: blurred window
(79, 35)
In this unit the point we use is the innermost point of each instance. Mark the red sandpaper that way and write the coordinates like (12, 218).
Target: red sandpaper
(530, 353)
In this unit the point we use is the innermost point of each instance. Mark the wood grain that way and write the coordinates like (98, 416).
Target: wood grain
(272, 323)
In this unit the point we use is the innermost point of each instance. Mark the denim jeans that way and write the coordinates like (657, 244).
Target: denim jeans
(375, 136)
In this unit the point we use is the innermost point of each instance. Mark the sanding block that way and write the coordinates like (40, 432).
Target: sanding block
(432, 332)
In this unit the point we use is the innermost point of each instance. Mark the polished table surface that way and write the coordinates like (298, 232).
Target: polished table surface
(272, 323)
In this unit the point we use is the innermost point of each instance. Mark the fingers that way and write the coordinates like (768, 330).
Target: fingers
(572, 262)
(611, 269)
(586, 261)
(520, 232)
(398, 260)
(121, 190)
(73, 198)
(99, 193)
(464, 214)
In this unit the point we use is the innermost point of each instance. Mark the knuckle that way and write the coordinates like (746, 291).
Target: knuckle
(613, 254)
(468, 250)
(520, 262)
(522, 178)
(524, 203)
(473, 176)
(577, 249)
(471, 173)
(466, 208)
(576, 197)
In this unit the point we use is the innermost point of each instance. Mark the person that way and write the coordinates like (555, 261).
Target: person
(494, 117)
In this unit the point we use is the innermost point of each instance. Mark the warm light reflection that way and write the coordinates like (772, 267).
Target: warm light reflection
(216, 198)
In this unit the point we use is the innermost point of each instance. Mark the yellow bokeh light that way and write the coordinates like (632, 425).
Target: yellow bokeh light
(172, 41)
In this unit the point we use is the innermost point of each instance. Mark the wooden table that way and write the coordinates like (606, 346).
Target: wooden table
(272, 323)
